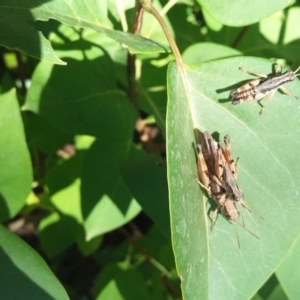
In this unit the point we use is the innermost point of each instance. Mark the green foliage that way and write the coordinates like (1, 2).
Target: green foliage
(15, 173)
(25, 274)
(242, 12)
(98, 161)
(85, 15)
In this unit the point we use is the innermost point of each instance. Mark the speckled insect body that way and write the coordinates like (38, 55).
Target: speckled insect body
(257, 89)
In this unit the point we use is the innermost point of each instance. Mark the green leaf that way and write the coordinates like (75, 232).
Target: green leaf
(15, 171)
(288, 272)
(159, 247)
(271, 290)
(106, 201)
(210, 263)
(88, 247)
(57, 233)
(81, 106)
(192, 20)
(278, 294)
(242, 12)
(202, 52)
(64, 186)
(25, 274)
(17, 30)
(153, 94)
(43, 135)
(116, 283)
(271, 27)
(147, 182)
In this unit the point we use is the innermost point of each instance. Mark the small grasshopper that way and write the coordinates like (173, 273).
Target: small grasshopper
(257, 89)
(229, 174)
(227, 177)
(228, 156)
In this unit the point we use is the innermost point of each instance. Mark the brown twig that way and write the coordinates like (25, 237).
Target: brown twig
(239, 36)
(131, 70)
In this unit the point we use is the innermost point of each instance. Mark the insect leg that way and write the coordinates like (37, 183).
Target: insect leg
(253, 73)
(285, 91)
(220, 204)
(203, 186)
(268, 98)
(237, 236)
(213, 218)
(278, 69)
(249, 231)
(243, 203)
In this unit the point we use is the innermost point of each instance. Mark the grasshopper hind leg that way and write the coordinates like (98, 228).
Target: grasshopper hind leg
(286, 92)
(214, 217)
(267, 99)
(253, 73)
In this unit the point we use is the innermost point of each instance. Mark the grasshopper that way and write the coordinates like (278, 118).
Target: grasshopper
(229, 174)
(257, 89)
(221, 166)
(228, 157)
(211, 168)
(219, 195)
(215, 191)
(227, 177)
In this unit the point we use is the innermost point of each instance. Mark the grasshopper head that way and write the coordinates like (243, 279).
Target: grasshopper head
(292, 74)
(230, 211)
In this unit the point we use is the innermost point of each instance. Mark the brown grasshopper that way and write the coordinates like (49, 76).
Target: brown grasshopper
(215, 191)
(221, 166)
(257, 89)
(217, 172)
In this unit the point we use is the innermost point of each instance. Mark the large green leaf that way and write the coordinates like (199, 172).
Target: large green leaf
(64, 186)
(16, 28)
(15, 171)
(92, 195)
(106, 201)
(206, 51)
(44, 136)
(288, 273)
(146, 180)
(25, 275)
(119, 283)
(242, 12)
(210, 263)
(273, 26)
(84, 104)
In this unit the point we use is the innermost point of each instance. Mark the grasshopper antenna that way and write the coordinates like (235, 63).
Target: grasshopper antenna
(237, 236)
(297, 71)
(249, 231)
(244, 226)
(243, 203)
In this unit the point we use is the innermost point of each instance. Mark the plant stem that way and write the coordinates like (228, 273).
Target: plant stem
(147, 5)
(131, 70)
